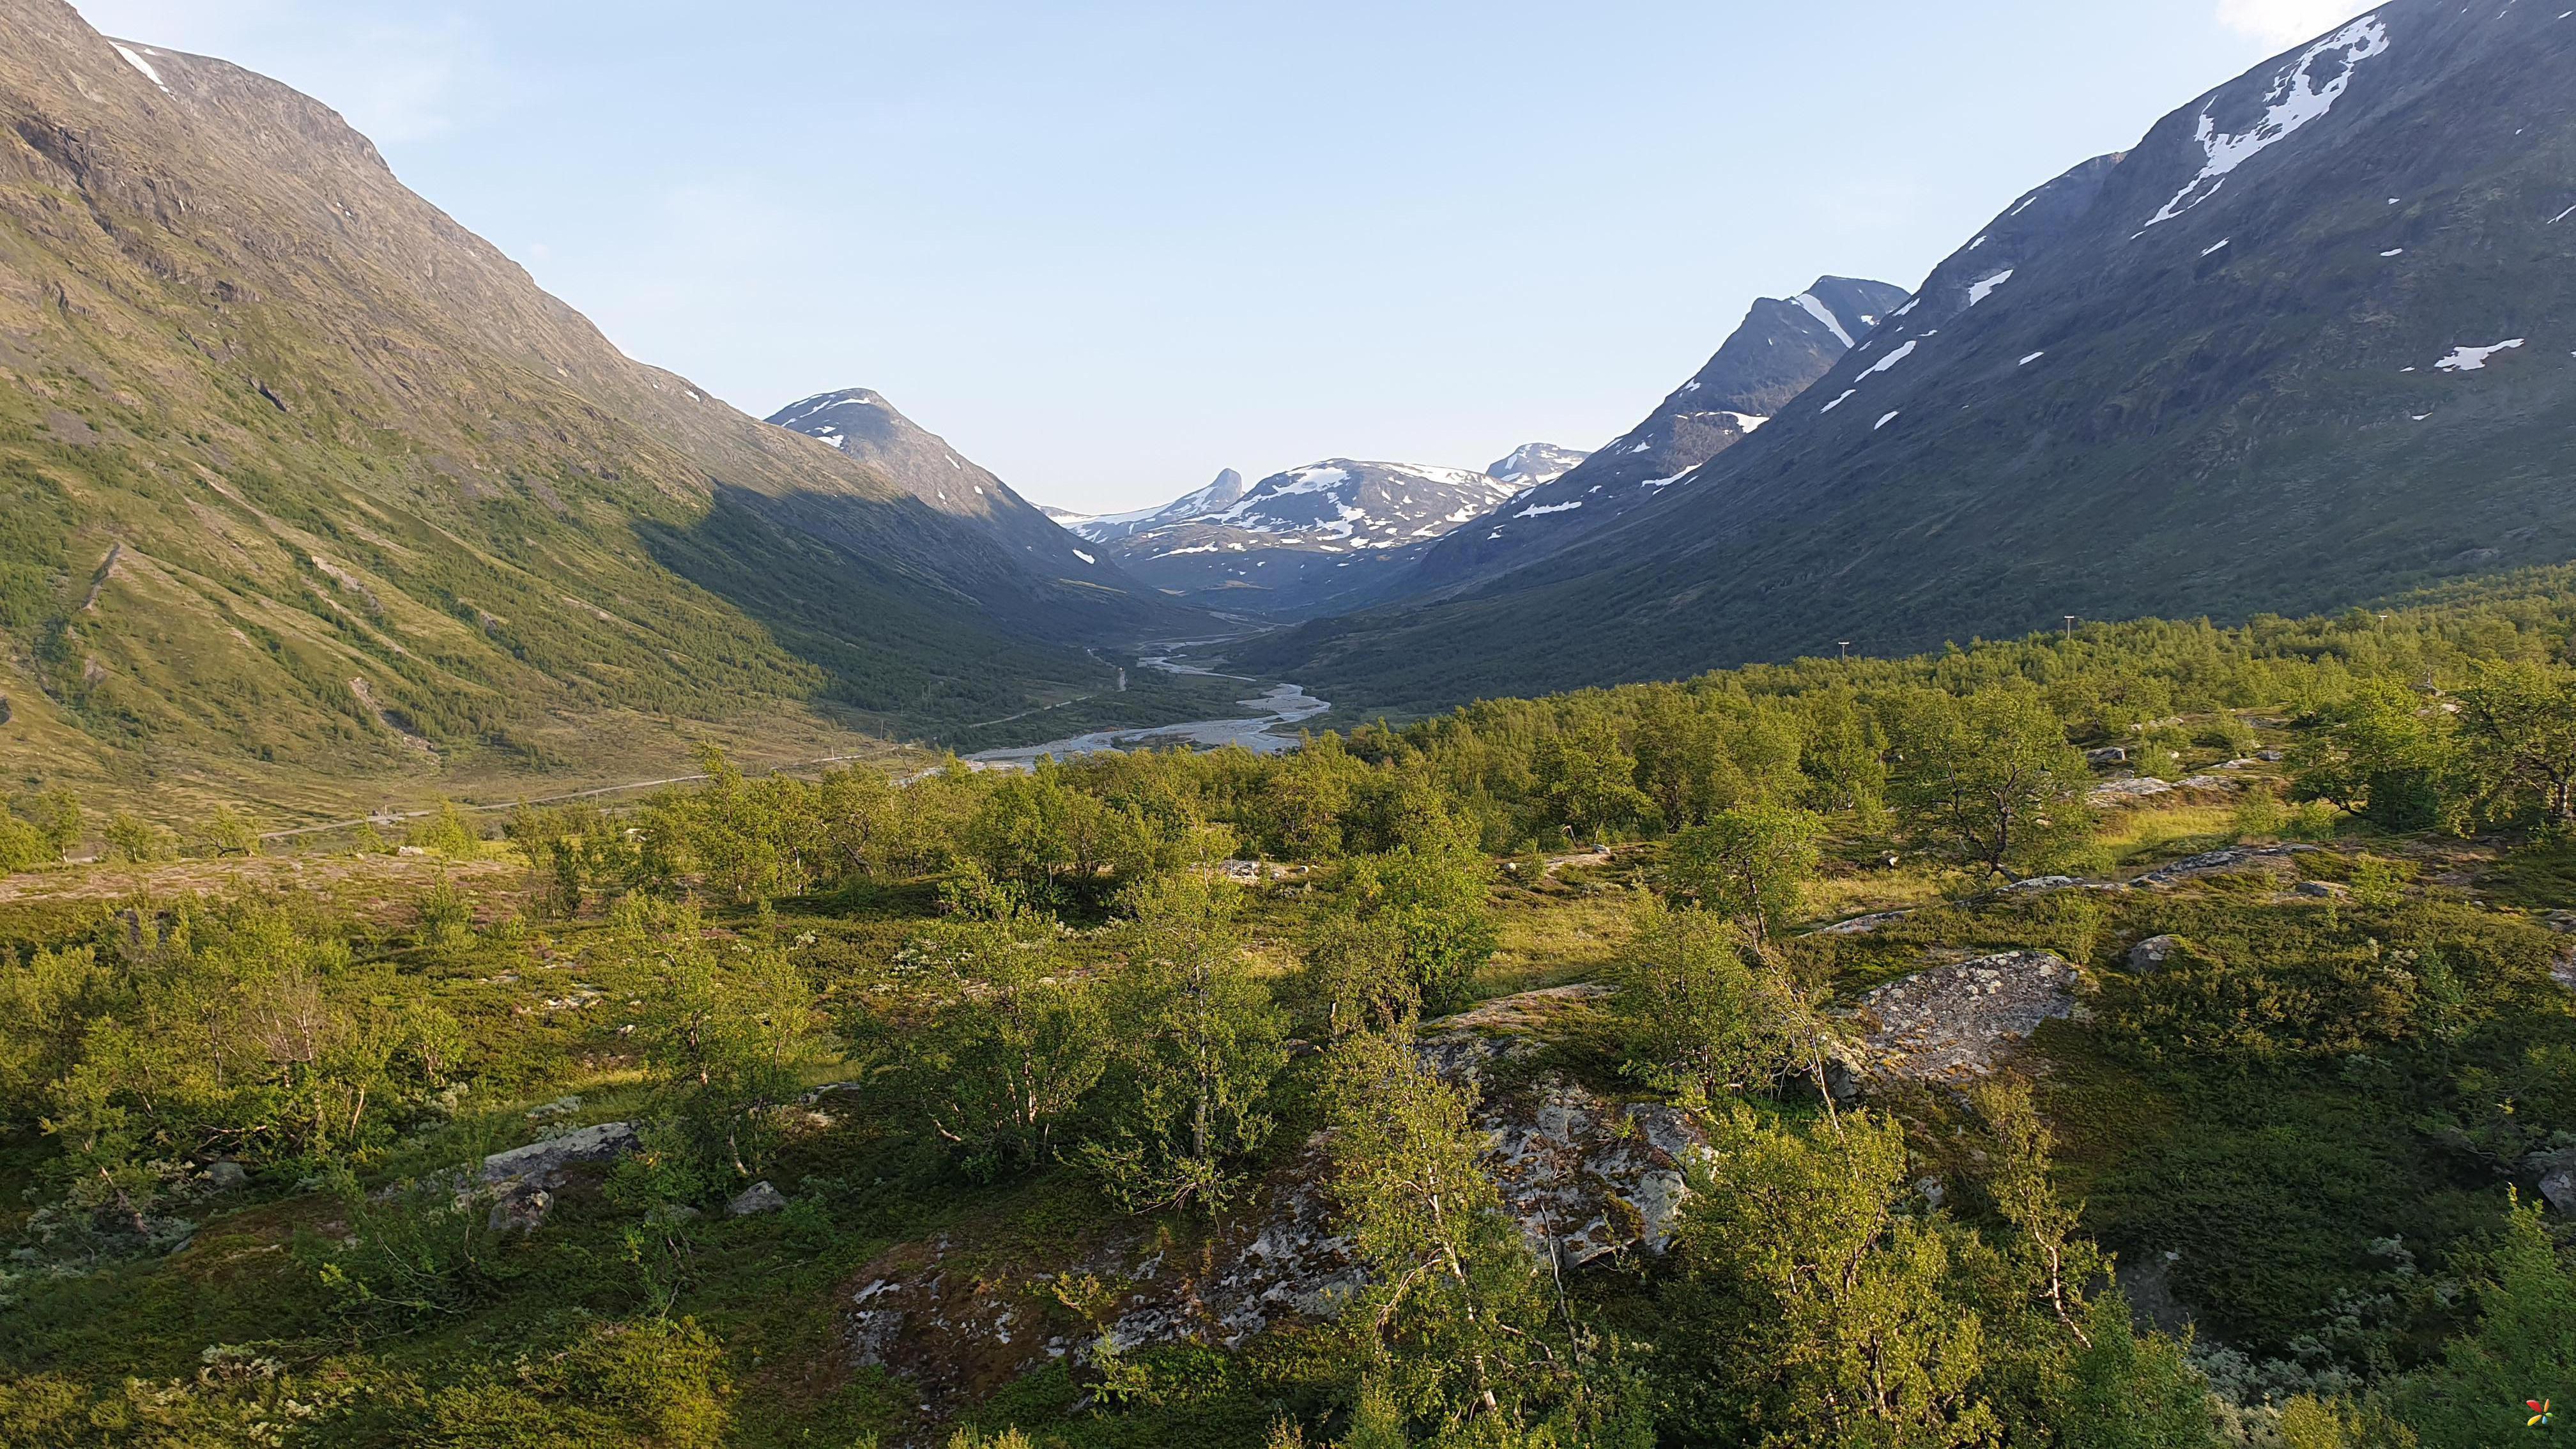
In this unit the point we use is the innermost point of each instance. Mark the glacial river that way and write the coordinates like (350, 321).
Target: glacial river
(1280, 708)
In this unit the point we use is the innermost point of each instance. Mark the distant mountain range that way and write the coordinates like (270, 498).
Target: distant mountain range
(311, 492)
(2312, 340)
(1783, 346)
(1328, 535)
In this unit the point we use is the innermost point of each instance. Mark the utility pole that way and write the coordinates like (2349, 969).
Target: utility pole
(2070, 628)
(1845, 645)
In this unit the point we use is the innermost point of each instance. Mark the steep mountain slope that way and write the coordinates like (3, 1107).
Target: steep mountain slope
(304, 481)
(2309, 341)
(863, 425)
(1783, 345)
(1328, 535)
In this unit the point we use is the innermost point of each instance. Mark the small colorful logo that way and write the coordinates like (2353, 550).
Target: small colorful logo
(2540, 1415)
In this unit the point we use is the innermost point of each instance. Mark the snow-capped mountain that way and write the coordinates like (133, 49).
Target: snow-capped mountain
(2305, 344)
(1110, 527)
(1784, 344)
(863, 425)
(1325, 534)
(1532, 464)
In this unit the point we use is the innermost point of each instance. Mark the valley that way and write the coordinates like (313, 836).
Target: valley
(1998, 870)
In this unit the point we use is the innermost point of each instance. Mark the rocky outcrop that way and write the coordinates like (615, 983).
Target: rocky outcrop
(1863, 925)
(521, 1182)
(1588, 1177)
(2126, 792)
(2272, 860)
(1955, 1023)
(760, 1197)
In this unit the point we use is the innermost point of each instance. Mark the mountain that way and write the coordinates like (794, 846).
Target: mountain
(1328, 535)
(864, 426)
(1532, 464)
(1784, 345)
(2308, 341)
(1219, 495)
(312, 495)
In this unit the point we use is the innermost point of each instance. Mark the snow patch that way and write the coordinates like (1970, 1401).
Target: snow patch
(1890, 360)
(1980, 291)
(2208, 251)
(2034, 357)
(2474, 359)
(1086, 558)
(2294, 100)
(1824, 314)
(1837, 402)
(1538, 509)
(1883, 422)
(145, 66)
(2394, 252)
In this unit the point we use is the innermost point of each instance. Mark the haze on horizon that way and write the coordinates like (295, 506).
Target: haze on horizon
(1111, 251)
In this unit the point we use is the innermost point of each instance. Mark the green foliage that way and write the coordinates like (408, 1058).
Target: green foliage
(1988, 779)
(2386, 754)
(995, 1042)
(1457, 1336)
(1433, 898)
(135, 840)
(726, 1031)
(645, 1385)
(1702, 1017)
(23, 846)
(2131, 1391)
(446, 833)
(56, 816)
(2518, 725)
(1199, 1046)
(1833, 1319)
(1750, 865)
(2523, 1347)
(227, 832)
(233, 1033)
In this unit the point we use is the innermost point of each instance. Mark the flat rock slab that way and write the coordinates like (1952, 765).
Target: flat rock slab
(1956, 1022)
(539, 1164)
(2272, 860)
(1863, 925)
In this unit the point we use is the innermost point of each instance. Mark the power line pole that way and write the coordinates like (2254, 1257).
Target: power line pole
(1845, 645)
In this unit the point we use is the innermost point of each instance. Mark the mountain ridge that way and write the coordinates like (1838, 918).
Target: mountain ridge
(1782, 346)
(2251, 369)
(305, 481)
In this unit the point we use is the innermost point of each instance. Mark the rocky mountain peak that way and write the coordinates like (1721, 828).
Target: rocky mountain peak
(1532, 464)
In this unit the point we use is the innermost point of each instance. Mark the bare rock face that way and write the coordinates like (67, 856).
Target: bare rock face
(1589, 1178)
(1954, 1023)
(754, 1200)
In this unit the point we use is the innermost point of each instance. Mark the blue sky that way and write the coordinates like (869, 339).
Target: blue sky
(1108, 248)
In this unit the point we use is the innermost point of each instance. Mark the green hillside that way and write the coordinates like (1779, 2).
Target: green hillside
(307, 495)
